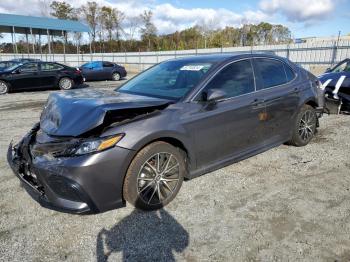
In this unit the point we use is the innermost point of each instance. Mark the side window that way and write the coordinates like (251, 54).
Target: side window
(235, 79)
(87, 65)
(106, 64)
(96, 65)
(30, 67)
(271, 72)
(50, 67)
(289, 73)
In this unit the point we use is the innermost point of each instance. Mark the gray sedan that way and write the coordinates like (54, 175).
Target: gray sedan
(94, 150)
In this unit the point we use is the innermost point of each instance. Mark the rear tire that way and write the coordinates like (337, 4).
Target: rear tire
(65, 83)
(154, 176)
(116, 76)
(4, 88)
(304, 128)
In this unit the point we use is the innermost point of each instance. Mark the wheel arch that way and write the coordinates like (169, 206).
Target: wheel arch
(176, 142)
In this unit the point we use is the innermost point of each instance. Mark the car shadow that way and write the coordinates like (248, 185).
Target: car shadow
(143, 236)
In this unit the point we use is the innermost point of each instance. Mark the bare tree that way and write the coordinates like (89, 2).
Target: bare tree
(119, 18)
(108, 20)
(90, 13)
(149, 30)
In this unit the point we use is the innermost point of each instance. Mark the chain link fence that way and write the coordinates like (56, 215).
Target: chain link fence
(314, 56)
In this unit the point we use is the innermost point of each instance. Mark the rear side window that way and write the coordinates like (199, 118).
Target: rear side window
(270, 71)
(50, 67)
(235, 79)
(106, 64)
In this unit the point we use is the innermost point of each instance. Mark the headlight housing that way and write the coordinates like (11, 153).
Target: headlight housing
(97, 145)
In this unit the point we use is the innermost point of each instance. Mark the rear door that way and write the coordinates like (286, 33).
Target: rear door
(26, 76)
(230, 126)
(277, 86)
(108, 70)
(49, 73)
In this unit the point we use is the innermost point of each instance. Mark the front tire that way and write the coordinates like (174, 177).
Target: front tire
(65, 83)
(4, 88)
(154, 176)
(304, 128)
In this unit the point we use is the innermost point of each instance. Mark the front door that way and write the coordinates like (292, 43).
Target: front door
(229, 127)
(26, 77)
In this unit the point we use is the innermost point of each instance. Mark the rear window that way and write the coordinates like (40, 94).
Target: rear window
(270, 71)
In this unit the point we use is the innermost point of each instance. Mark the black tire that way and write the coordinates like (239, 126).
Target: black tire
(143, 185)
(116, 76)
(4, 88)
(65, 83)
(304, 128)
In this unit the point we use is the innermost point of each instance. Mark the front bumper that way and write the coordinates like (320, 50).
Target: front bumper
(83, 184)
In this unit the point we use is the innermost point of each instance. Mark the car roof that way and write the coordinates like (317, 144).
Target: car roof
(218, 58)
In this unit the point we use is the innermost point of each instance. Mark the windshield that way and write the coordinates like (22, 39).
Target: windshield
(14, 66)
(343, 67)
(170, 80)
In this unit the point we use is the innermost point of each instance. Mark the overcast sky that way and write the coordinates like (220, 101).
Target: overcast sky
(303, 17)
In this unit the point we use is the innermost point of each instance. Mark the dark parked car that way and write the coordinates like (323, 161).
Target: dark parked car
(6, 64)
(93, 150)
(102, 70)
(336, 81)
(33, 75)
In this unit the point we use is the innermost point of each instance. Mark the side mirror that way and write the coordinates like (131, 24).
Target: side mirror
(213, 95)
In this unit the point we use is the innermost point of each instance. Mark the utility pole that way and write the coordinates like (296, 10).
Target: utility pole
(339, 32)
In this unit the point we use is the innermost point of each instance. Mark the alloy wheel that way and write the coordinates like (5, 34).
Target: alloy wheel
(65, 83)
(158, 178)
(307, 125)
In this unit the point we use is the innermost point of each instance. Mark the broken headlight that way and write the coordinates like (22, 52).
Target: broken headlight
(97, 145)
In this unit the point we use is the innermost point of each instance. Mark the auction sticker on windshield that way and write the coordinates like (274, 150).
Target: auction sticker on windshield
(194, 67)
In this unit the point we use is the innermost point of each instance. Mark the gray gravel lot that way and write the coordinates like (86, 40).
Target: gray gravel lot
(286, 204)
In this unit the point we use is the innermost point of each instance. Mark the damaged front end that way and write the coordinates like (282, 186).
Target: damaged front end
(43, 176)
(66, 164)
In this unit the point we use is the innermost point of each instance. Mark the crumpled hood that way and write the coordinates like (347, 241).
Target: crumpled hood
(75, 112)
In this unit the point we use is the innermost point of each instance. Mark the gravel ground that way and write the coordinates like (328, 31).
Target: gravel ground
(286, 204)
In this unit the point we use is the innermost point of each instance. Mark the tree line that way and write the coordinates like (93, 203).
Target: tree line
(113, 31)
